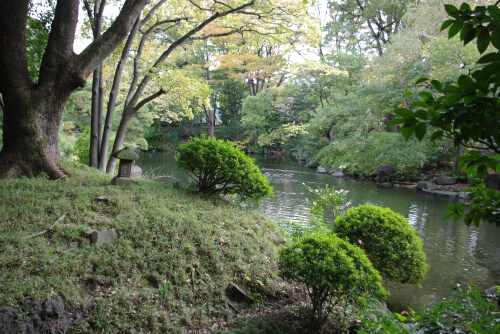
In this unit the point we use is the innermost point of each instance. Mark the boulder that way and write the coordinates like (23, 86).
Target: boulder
(494, 291)
(53, 308)
(384, 173)
(136, 171)
(48, 316)
(99, 237)
(446, 180)
(492, 182)
(321, 170)
(312, 164)
(338, 174)
(443, 193)
(425, 185)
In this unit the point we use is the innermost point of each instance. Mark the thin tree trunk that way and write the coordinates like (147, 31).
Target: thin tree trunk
(460, 152)
(120, 137)
(94, 119)
(95, 17)
(103, 154)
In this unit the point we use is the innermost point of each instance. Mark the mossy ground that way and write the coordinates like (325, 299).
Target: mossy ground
(168, 271)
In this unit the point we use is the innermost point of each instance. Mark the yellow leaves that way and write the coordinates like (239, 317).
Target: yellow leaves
(184, 94)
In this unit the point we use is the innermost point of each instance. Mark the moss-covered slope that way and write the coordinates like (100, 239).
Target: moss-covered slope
(168, 271)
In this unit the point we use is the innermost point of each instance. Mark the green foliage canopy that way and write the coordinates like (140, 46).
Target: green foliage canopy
(466, 111)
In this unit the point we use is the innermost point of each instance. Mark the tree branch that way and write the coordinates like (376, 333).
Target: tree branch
(13, 60)
(151, 12)
(148, 77)
(59, 50)
(90, 15)
(149, 99)
(102, 46)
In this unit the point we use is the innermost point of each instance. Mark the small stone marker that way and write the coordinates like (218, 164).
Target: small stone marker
(102, 199)
(99, 237)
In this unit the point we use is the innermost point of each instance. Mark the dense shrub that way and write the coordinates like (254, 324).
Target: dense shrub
(217, 167)
(391, 243)
(82, 147)
(334, 272)
(363, 153)
(157, 141)
(66, 143)
(356, 154)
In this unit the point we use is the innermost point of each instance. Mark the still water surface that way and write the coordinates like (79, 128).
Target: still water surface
(457, 254)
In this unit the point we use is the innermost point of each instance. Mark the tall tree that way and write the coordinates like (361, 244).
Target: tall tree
(95, 15)
(370, 23)
(33, 111)
(210, 19)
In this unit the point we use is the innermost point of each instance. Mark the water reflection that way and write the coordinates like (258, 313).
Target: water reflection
(456, 253)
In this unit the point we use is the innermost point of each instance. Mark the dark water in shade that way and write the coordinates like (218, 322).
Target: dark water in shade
(455, 252)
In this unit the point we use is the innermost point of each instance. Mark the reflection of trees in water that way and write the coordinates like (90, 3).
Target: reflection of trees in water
(487, 251)
(417, 217)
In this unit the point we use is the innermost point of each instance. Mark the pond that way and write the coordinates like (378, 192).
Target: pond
(457, 254)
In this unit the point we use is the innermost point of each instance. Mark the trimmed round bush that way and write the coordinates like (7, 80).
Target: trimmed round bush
(334, 271)
(390, 242)
(217, 167)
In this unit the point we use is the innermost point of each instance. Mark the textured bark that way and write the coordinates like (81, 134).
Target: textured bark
(94, 119)
(31, 126)
(95, 17)
(32, 112)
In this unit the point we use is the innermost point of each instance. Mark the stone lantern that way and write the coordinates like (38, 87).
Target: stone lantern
(126, 157)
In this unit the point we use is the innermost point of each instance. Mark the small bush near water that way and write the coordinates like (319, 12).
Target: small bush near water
(167, 272)
(217, 167)
(335, 273)
(392, 244)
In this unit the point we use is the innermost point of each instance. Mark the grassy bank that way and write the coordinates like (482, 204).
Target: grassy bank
(168, 271)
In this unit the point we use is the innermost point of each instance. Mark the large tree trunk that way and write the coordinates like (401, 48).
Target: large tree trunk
(32, 113)
(31, 126)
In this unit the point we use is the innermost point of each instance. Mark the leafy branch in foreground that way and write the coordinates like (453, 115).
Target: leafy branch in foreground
(472, 314)
(466, 112)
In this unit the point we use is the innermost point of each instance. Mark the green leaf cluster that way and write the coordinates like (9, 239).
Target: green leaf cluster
(466, 111)
(391, 243)
(363, 153)
(334, 272)
(470, 314)
(217, 167)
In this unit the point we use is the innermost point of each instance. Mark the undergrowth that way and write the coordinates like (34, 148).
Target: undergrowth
(168, 271)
